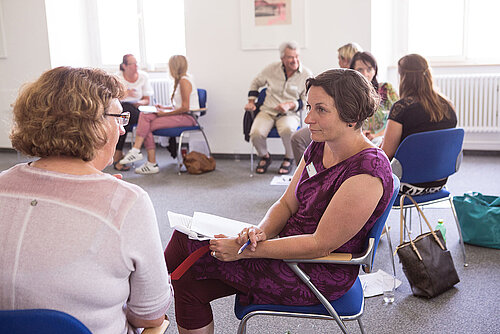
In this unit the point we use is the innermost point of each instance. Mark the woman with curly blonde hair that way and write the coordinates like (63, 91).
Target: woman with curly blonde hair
(73, 242)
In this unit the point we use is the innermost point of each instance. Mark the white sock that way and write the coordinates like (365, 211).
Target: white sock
(152, 164)
(135, 150)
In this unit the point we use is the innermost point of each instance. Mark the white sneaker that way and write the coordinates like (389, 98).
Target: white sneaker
(148, 168)
(131, 157)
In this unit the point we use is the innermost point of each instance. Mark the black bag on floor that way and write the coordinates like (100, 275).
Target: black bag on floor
(427, 264)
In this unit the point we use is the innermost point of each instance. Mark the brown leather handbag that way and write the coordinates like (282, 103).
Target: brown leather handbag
(197, 163)
(427, 264)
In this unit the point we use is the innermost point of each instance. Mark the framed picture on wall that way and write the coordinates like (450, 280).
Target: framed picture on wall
(265, 24)
(3, 50)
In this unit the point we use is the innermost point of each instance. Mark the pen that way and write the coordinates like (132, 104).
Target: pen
(244, 246)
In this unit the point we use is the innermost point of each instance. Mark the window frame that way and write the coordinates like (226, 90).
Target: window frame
(402, 7)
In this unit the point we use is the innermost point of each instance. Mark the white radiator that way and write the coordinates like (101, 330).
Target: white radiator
(162, 89)
(476, 98)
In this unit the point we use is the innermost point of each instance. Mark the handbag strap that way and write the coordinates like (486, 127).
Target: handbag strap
(403, 222)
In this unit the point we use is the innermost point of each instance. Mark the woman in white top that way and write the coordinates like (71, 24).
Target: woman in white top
(184, 98)
(73, 238)
(139, 92)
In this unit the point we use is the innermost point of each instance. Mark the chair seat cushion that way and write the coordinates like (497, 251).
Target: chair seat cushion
(442, 194)
(348, 305)
(174, 132)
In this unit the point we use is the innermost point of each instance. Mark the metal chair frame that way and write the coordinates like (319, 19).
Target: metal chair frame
(364, 259)
(181, 131)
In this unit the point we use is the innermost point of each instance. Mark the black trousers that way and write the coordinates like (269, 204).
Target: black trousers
(134, 118)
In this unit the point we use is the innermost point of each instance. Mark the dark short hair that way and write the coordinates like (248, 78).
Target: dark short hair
(62, 113)
(125, 61)
(354, 97)
(367, 58)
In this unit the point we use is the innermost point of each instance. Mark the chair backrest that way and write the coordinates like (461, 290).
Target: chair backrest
(202, 99)
(40, 321)
(429, 156)
(377, 228)
(261, 97)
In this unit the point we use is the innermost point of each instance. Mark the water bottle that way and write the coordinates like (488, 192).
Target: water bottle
(184, 149)
(440, 226)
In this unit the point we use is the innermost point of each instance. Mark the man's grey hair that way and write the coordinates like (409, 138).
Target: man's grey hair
(292, 45)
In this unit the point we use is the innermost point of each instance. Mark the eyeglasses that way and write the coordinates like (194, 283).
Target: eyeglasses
(123, 117)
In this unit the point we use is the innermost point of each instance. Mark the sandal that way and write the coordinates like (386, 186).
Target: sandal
(286, 168)
(124, 168)
(263, 164)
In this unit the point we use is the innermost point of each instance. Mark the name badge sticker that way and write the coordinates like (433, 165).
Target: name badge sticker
(311, 171)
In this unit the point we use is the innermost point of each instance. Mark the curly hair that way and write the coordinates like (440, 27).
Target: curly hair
(354, 96)
(62, 113)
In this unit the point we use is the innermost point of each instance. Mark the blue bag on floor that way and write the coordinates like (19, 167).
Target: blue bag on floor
(479, 218)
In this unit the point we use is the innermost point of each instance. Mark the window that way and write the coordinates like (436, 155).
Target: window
(99, 32)
(454, 30)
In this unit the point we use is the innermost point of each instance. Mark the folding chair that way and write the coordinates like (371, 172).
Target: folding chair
(348, 307)
(426, 157)
(180, 131)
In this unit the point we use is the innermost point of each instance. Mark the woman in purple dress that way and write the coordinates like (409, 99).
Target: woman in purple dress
(340, 188)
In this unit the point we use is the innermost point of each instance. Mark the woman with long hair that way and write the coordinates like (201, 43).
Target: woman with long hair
(374, 127)
(184, 98)
(421, 108)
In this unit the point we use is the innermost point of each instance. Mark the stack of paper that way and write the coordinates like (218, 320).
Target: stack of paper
(204, 226)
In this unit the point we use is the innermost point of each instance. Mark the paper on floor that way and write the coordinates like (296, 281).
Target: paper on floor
(282, 180)
(373, 283)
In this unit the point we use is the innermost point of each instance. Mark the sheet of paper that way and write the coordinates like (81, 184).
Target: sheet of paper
(210, 225)
(148, 109)
(182, 223)
(373, 284)
(283, 180)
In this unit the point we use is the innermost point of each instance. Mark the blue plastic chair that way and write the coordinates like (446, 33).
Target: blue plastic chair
(40, 321)
(426, 157)
(274, 131)
(180, 131)
(45, 321)
(348, 307)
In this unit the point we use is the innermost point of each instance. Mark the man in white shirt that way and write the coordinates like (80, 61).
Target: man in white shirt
(285, 95)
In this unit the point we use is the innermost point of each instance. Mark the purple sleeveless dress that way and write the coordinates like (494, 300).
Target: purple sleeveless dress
(272, 281)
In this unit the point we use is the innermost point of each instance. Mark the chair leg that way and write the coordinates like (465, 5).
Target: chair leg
(388, 234)
(361, 327)
(459, 231)
(179, 154)
(251, 159)
(206, 141)
(242, 328)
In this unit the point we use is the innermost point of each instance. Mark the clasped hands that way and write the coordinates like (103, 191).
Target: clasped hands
(282, 107)
(225, 248)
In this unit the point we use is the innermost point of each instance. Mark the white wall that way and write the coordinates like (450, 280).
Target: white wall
(216, 59)
(27, 53)
(225, 70)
